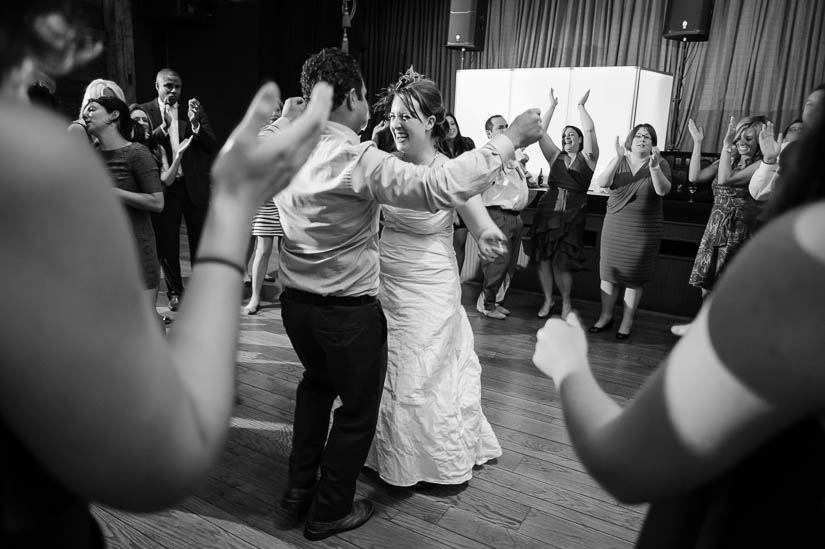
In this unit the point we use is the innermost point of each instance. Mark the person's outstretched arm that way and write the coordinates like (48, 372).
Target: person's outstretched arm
(548, 147)
(696, 173)
(115, 411)
(722, 392)
(591, 144)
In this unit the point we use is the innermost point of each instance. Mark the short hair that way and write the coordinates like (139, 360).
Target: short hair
(488, 125)
(127, 127)
(578, 131)
(335, 67)
(96, 88)
(629, 141)
(167, 72)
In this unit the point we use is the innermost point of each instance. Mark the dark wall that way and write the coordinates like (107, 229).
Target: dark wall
(226, 52)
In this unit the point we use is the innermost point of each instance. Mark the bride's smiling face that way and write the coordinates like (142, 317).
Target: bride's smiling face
(410, 129)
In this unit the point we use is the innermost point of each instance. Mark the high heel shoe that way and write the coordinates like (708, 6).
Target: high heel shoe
(544, 312)
(596, 329)
(250, 310)
(620, 336)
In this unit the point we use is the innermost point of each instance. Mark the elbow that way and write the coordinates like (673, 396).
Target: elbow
(157, 206)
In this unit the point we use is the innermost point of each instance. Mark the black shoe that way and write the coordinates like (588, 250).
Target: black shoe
(297, 500)
(174, 303)
(361, 512)
(167, 320)
(596, 329)
(621, 336)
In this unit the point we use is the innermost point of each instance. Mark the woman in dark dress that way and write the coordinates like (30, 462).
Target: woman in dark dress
(135, 175)
(558, 226)
(726, 439)
(638, 178)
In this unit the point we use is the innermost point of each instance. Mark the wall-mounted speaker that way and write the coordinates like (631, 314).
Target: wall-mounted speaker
(468, 22)
(688, 20)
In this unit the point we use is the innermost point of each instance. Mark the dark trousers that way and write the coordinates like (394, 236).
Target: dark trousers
(177, 206)
(494, 272)
(342, 343)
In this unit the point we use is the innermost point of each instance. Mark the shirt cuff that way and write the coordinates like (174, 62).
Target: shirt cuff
(504, 146)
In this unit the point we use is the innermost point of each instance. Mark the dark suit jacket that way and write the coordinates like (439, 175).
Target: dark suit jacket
(197, 160)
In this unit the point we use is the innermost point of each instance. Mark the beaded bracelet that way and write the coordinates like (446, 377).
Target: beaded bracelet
(222, 261)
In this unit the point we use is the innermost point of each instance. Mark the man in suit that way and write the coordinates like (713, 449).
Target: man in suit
(187, 197)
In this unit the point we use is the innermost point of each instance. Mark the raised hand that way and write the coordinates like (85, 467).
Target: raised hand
(696, 132)
(554, 101)
(620, 150)
(294, 107)
(583, 100)
(380, 127)
(730, 135)
(561, 347)
(525, 129)
(167, 115)
(768, 144)
(655, 157)
(253, 168)
(492, 245)
(193, 112)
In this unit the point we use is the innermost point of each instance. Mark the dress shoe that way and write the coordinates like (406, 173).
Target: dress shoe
(596, 329)
(494, 314)
(362, 510)
(620, 336)
(167, 320)
(174, 303)
(503, 310)
(297, 500)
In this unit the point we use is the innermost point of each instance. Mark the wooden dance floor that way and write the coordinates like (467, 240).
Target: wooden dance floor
(537, 494)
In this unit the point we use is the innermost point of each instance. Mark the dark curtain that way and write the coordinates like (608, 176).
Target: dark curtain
(762, 56)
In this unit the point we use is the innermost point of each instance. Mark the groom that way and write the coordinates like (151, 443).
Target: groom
(329, 268)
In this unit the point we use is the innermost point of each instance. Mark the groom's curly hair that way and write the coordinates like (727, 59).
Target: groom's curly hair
(335, 67)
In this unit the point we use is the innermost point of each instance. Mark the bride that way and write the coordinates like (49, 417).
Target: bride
(431, 427)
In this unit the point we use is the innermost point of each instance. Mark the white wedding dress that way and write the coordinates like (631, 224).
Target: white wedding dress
(430, 424)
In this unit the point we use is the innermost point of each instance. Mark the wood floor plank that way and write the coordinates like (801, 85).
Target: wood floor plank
(537, 494)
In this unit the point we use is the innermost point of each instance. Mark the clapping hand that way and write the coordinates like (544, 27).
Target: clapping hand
(561, 347)
(769, 145)
(730, 135)
(194, 112)
(253, 169)
(655, 157)
(583, 100)
(620, 150)
(696, 132)
(492, 245)
(185, 144)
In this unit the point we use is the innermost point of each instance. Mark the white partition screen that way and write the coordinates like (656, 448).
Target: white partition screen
(620, 98)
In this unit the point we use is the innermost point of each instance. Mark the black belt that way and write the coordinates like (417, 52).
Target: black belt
(499, 208)
(316, 299)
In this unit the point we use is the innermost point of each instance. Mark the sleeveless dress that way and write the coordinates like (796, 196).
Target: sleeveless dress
(732, 221)
(632, 227)
(775, 496)
(558, 226)
(430, 425)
